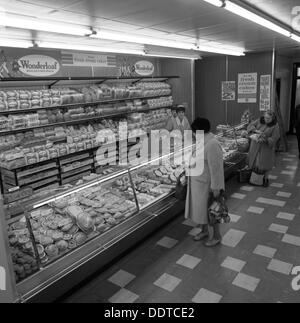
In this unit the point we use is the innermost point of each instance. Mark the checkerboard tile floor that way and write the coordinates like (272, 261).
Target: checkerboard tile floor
(260, 247)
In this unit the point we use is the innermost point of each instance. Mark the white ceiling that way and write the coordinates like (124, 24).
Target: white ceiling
(166, 19)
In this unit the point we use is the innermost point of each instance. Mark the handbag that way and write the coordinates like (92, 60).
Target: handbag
(218, 209)
(181, 189)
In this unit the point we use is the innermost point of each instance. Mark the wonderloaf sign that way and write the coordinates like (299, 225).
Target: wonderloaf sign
(144, 68)
(18, 62)
(37, 65)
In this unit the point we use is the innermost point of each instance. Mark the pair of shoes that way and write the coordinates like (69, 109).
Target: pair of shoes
(201, 236)
(212, 243)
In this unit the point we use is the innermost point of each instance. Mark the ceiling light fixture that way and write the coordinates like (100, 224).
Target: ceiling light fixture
(90, 48)
(5, 42)
(125, 37)
(171, 55)
(217, 3)
(247, 14)
(108, 35)
(68, 29)
(37, 24)
(251, 16)
(295, 37)
(221, 50)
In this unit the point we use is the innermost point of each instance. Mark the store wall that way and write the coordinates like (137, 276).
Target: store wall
(183, 87)
(284, 70)
(208, 76)
(211, 71)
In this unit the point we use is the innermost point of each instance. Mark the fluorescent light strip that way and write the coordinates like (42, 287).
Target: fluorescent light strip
(173, 56)
(295, 37)
(247, 14)
(217, 3)
(124, 37)
(4, 42)
(36, 24)
(221, 50)
(90, 48)
(238, 10)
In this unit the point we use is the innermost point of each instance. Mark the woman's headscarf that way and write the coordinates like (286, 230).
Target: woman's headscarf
(274, 118)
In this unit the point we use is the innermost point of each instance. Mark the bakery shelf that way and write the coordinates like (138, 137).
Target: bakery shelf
(73, 105)
(84, 79)
(75, 158)
(78, 121)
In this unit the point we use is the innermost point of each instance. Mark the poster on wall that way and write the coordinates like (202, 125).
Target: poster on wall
(228, 91)
(88, 60)
(29, 63)
(265, 93)
(247, 88)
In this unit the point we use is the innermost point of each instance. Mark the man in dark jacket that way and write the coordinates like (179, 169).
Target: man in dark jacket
(297, 125)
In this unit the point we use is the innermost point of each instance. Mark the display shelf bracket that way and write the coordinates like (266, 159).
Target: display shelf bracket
(52, 84)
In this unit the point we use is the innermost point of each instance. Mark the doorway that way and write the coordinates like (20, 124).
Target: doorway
(278, 90)
(295, 95)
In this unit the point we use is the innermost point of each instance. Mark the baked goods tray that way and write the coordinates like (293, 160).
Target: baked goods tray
(36, 178)
(68, 160)
(73, 179)
(67, 170)
(36, 169)
(161, 197)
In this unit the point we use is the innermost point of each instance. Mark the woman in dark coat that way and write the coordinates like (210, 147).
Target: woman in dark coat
(264, 134)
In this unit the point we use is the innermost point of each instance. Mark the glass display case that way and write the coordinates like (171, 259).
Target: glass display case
(77, 231)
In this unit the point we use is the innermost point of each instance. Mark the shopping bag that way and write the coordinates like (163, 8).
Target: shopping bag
(218, 210)
(181, 188)
(257, 177)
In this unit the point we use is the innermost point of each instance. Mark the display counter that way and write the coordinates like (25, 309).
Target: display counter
(235, 145)
(60, 240)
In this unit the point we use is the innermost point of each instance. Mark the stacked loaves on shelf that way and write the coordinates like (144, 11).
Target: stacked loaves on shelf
(36, 99)
(42, 145)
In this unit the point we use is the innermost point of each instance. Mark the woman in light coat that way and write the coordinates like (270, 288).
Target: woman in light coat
(201, 185)
(265, 134)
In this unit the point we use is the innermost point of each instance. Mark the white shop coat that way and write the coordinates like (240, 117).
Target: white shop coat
(212, 178)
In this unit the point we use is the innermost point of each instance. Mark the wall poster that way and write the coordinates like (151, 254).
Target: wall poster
(265, 93)
(247, 88)
(228, 90)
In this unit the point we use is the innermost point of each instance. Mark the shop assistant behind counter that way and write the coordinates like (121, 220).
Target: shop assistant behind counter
(180, 122)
